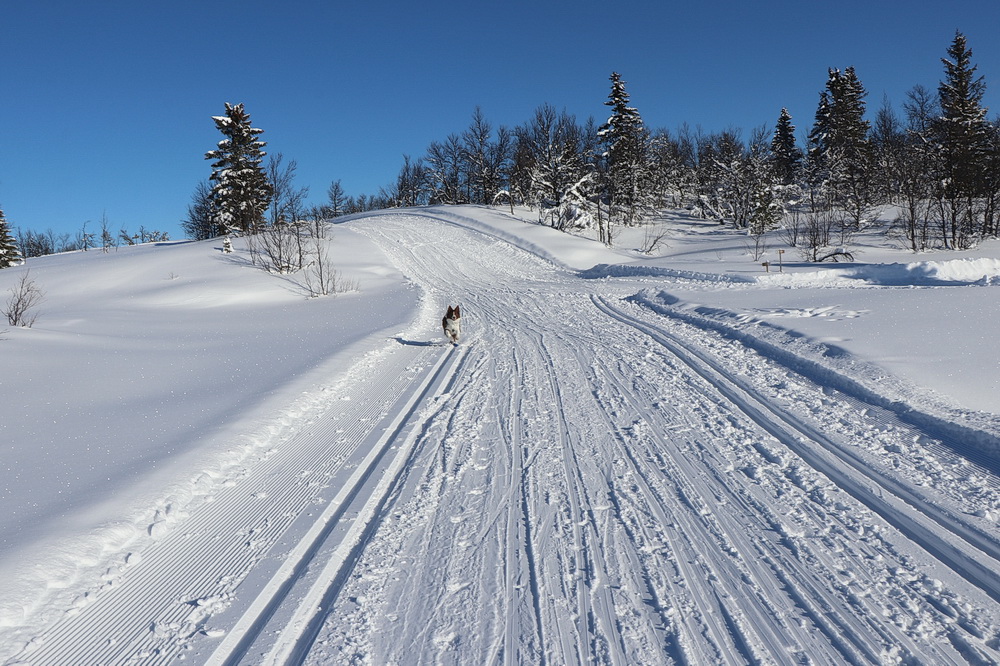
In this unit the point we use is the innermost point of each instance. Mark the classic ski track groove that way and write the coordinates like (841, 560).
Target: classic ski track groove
(119, 625)
(297, 633)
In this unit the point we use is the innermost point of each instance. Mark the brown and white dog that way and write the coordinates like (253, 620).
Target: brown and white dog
(452, 323)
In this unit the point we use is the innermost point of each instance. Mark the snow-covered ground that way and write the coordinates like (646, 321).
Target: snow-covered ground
(629, 459)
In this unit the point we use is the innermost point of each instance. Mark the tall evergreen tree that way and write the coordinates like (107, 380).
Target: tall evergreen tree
(817, 170)
(786, 155)
(963, 137)
(849, 128)
(625, 142)
(839, 150)
(241, 193)
(9, 254)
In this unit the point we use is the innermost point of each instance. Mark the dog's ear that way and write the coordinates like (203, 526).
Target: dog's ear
(449, 313)
(457, 313)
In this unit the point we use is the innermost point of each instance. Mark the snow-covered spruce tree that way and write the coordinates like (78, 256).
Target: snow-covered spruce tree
(625, 140)
(786, 155)
(9, 254)
(963, 141)
(816, 167)
(241, 193)
(839, 150)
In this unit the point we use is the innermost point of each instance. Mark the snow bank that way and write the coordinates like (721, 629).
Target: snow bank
(981, 271)
(640, 270)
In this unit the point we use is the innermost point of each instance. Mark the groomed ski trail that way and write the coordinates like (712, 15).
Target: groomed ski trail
(591, 494)
(215, 579)
(581, 480)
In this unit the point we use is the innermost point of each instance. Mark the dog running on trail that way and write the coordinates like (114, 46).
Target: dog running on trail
(452, 324)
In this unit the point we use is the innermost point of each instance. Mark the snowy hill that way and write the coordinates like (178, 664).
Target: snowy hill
(628, 459)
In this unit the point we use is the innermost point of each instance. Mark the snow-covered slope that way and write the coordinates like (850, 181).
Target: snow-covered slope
(627, 460)
(153, 375)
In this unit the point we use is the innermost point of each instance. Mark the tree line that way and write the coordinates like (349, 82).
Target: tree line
(17, 244)
(938, 163)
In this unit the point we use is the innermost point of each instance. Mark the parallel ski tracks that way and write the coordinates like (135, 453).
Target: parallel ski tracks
(595, 609)
(313, 592)
(151, 611)
(946, 535)
(674, 542)
(519, 558)
(598, 532)
(736, 624)
(679, 568)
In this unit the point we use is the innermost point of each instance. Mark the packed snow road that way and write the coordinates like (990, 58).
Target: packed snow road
(583, 479)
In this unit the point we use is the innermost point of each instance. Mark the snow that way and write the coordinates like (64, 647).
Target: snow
(629, 458)
(982, 271)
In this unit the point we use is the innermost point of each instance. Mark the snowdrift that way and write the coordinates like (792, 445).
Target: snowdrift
(955, 272)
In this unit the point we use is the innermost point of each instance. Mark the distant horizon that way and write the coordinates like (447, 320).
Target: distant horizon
(108, 109)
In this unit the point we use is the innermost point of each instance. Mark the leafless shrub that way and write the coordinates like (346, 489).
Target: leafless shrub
(817, 233)
(755, 245)
(281, 245)
(654, 238)
(320, 277)
(792, 228)
(25, 297)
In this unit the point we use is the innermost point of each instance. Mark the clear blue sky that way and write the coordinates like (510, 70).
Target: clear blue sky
(105, 107)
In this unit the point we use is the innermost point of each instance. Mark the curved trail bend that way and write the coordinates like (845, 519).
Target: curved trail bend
(580, 480)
